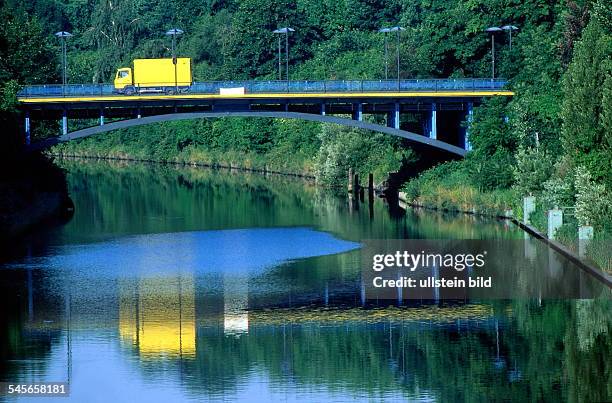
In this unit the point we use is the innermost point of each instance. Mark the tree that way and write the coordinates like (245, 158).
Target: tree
(252, 50)
(26, 54)
(533, 168)
(586, 107)
(113, 31)
(26, 57)
(494, 145)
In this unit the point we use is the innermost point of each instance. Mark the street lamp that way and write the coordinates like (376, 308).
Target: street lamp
(174, 32)
(286, 32)
(280, 68)
(510, 28)
(397, 31)
(63, 35)
(493, 31)
(385, 31)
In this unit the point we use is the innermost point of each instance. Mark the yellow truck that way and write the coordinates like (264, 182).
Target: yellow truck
(169, 76)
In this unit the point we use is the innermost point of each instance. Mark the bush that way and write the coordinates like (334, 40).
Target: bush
(532, 169)
(448, 186)
(593, 201)
(343, 148)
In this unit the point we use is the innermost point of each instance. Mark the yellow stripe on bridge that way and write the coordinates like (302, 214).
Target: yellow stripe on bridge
(336, 95)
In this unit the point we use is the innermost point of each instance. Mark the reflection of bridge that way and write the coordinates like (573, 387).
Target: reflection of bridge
(437, 108)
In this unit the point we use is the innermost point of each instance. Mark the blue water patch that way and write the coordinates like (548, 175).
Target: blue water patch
(240, 250)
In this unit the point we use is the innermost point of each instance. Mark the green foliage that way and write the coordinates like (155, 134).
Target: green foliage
(339, 40)
(347, 55)
(494, 144)
(593, 201)
(26, 55)
(587, 107)
(8, 102)
(533, 168)
(558, 193)
(448, 186)
(343, 148)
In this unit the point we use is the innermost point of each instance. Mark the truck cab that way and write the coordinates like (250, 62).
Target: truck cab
(124, 79)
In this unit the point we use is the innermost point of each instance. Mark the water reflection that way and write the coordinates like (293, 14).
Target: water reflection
(129, 303)
(157, 316)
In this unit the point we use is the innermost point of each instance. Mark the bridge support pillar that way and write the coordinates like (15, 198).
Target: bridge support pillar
(101, 117)
(466, 134)
(358, 112)
(433, 122)
(396, 116)
(65, 123)
(27, 128)
(393, 117)
(323, 109)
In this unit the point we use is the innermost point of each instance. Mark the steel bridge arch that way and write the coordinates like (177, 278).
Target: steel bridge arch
(416, 139)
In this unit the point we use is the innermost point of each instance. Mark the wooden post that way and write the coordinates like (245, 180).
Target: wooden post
(356, 183)
(371, 194)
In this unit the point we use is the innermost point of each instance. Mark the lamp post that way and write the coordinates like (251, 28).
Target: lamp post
(493, 31)
(174, 32)
(509, 29)
(285, 31)
(63, 35)
(397, 31)
(280, 65)
(385, 31)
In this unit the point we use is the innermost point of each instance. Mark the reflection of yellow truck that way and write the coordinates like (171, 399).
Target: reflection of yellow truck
(154, 75)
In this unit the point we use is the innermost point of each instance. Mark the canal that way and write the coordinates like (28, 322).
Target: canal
(174, 284)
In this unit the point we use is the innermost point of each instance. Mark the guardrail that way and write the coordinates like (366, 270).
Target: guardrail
(254, 87)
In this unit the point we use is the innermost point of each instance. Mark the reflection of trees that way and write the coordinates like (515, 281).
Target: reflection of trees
(31, 325)
(527, 351)
(145, 199)
(588, 349)
(467, 359)
(109, 197)
(567, 344)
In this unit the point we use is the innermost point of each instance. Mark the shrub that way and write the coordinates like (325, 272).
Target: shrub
(593, 201)
(532, 169)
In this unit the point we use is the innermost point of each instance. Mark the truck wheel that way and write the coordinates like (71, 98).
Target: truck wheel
(129, 91)
(170, 91)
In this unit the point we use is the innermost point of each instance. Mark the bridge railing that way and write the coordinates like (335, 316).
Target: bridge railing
(254, 87)
(71, 90)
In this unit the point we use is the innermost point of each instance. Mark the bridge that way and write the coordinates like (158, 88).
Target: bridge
(433, 110)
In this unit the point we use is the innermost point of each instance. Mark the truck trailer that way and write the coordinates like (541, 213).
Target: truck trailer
(169, 76)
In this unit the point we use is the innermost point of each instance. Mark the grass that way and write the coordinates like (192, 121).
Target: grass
(448, 187)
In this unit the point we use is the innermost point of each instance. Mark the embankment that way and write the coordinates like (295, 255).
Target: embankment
(33, 191)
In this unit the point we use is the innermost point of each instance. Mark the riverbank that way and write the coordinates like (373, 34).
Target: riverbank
(450, 193)
(33, 191)
(262, 145)
(265, 170)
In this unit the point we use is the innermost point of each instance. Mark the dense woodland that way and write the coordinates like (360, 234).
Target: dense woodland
(552, 139)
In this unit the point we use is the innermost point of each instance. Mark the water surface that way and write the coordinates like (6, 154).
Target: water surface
(178, 284)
